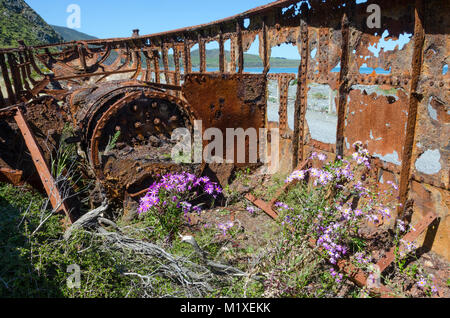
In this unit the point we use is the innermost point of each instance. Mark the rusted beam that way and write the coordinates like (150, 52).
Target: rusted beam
(82, 57)
(11, 176)
(148, 66)
(221, 53)
(27, 60)
(17, 83)
(176, 59)
(156, 66)
(343, 85)
(165, 58)
(202, 54)
(266, 60)
(301, 99)
(62, 78)
(409, 237)
(417, 60)
(23, 72)
(266, 207)
(239, 47)
(57, 202)
(187, 57)
(283, 90)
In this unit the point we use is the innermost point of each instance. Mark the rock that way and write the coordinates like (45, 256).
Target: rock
(428, 264)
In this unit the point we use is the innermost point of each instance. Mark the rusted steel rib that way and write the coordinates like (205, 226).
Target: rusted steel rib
(419, 39)
(239, 47)
(62, 78)
(409, 237)
(301, 100)
(221, 53)
(202, 53)
(266, 207)
(343, 86)
(57, 202)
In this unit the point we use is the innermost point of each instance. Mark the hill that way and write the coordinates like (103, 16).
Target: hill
(20, 22)
(71, 35)
(250, 60)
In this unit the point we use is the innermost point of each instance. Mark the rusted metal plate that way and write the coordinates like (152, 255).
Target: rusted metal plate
(227, 101)
(378, 121)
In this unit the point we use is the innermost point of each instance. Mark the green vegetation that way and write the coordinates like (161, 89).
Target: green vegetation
(19, 22)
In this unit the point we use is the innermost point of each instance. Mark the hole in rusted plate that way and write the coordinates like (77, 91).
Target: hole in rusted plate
(321, 113)
(273, 104)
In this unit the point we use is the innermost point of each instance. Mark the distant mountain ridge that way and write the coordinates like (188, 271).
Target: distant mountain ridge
(250, 60)
(18, 21)
(72, 35)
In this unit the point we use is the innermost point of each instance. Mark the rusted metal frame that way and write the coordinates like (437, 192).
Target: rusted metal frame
(10, 175)
(27, 62)
(240, 47)
(176, 60)
(33, 63)
(118, 70)
(323, 54)
(202, 53)
(117, 41)
(104, 74)
(8, 111)
(40, 86)
(82, 57)
(283, 90)
(17, 82)
(416, 67)
(187, 57)
(22, 72)
(343, 84)
(148, 70)
(164, 86)
(233, 54)
(105, 55)
(409, 237)
(156, 67)
(301, 100)
(57, 202)
(165, 59)
(137, 63)
(221, 52)
(266, 59)
(266, 207)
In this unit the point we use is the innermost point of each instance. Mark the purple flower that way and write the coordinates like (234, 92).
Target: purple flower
(251, 210)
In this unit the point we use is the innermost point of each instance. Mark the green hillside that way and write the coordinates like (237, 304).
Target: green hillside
(250, 60)
(19, 22)
(71, 35)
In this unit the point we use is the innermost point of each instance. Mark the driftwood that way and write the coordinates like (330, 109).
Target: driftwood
(87, 221)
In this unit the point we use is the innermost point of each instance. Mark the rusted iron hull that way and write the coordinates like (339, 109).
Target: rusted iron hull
(399, 109)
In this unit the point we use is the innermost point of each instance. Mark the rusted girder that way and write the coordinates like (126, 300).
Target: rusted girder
(58, 203)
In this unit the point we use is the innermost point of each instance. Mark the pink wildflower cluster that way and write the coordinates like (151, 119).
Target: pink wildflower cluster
(178, 189)
(333, 224)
